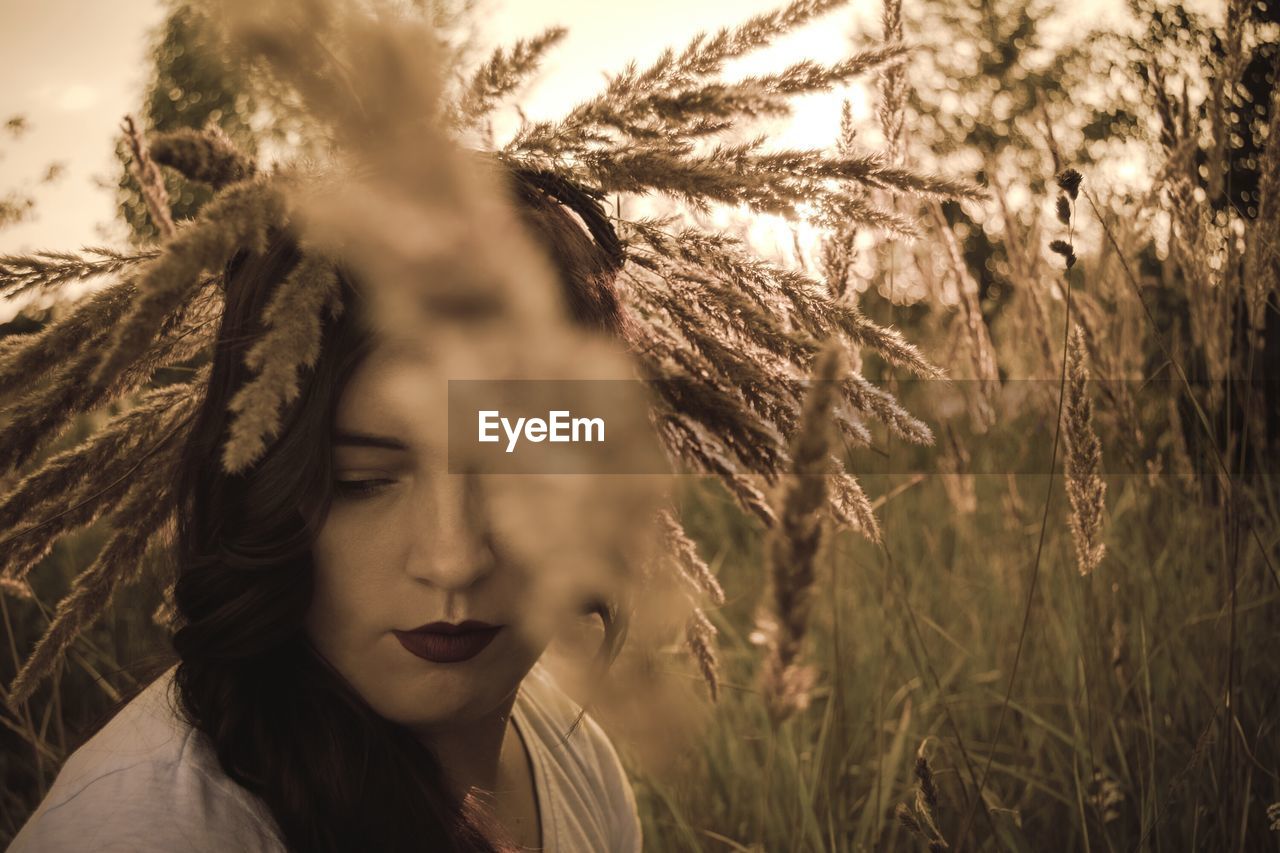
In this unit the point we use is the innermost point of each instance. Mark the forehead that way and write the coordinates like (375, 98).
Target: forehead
(396, 393)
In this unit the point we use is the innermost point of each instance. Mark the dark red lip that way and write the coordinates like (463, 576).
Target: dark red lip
(446, 642)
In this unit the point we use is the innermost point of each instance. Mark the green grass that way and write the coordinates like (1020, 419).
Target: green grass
(1122, 684)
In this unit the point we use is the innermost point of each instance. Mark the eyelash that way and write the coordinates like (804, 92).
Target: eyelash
(356, 489)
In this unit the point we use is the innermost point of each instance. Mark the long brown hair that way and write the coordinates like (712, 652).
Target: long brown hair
(334, 775)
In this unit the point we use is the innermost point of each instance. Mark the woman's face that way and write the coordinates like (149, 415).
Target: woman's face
(400, 549)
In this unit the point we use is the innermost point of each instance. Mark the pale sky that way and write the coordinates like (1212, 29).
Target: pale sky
(73, 68)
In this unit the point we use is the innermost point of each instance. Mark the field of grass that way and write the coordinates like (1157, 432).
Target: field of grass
(976, 685)
(1142, 716)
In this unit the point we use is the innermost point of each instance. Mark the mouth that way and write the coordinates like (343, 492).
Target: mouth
(446, 642)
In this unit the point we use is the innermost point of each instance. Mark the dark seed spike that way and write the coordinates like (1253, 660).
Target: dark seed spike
(1069, 182)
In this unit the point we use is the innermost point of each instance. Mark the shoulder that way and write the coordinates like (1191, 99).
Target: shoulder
(147, 781)
(588, 785)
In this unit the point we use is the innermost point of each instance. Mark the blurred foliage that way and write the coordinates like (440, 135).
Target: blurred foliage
(197, 79)
(194, 82)
(993, 82)
(1169, 34)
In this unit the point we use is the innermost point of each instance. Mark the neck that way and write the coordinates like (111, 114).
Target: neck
(471, 753)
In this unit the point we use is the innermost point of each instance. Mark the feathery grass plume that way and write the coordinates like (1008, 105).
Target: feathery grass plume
(640, 134)
(921, 817)
(689, 383)
(807, 76)
(239, 216)
(506, 70)
(717, 407)
(700, 634)
(34, 356)
(72, 488)
(150, 181)
(86, 329)
(731, 294)
(766, 322)
(134, 526)
(804, 305)
(850, 209)
(825, 317)
(46, 271)
(705, 109)
(704, 56)
(700, 637)
(289, 345)
(692, 567)
(40, 416)
(207, 156)
(926, 791)
(373, 89)
(777, 182)
(707, 54)
(893, 85)
(884, 407)
(686, 440)
(850, 505)
(1085, 486)
(24, 549)
(792, 546)
(732, 363)
(852, 427)
(843, 216)
(16, 588)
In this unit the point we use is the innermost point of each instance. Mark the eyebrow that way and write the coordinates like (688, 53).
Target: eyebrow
(360, 439)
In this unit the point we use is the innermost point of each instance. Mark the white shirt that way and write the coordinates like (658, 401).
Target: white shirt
(148, 782)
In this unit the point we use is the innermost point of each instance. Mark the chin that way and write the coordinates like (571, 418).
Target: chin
(421, 694)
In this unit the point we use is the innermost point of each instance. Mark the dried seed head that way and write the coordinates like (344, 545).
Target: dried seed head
(1064, 210)
(1062, 247)
(907, 819)
(1085, 486)
(205, 155)
(1069, 182)
(924, 781)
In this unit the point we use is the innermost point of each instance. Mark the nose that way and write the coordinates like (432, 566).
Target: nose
(450, 548)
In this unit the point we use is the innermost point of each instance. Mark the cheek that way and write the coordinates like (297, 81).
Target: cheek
(353, 559)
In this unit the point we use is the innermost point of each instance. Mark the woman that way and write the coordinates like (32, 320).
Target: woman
(354, 668)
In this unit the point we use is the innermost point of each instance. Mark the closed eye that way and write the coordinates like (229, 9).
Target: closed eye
(360, 488)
